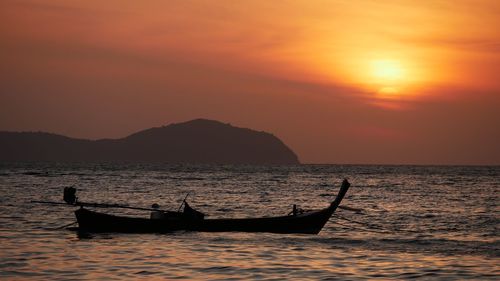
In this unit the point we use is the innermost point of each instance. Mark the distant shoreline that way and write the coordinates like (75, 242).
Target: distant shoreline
(198, 141)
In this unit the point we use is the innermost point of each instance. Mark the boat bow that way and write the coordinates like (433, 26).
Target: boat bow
(343, 190)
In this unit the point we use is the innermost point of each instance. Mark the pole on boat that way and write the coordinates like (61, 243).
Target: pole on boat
(97, 205)
(183, 201)
(71, 200)
(356, 210)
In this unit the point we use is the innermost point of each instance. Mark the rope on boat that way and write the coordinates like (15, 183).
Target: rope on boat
(363, 229)
(64, 226)
(358, 222)
(356, 210)
(371, 227)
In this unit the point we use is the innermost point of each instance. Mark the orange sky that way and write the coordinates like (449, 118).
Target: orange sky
(338, 81)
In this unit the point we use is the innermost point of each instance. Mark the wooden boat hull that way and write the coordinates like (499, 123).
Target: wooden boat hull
(310, 223)
(307, 223)
(99, 222)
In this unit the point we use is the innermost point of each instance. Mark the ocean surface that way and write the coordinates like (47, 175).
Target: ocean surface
(429, 222)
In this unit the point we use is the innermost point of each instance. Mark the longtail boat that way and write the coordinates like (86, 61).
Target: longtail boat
(310, 222)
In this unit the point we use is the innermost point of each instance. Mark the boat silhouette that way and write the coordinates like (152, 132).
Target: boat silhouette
(310, 222)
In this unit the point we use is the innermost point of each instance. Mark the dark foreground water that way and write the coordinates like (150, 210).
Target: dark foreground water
(417, 221)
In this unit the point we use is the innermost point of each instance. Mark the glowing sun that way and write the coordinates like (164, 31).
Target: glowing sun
(387, 71)
(388, 77)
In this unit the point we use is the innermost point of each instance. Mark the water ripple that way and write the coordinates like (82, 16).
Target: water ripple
(416, 222)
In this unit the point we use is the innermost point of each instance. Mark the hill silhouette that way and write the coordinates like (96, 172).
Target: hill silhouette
(197, 141)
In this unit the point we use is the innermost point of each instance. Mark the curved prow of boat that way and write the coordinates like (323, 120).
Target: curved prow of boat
(343, 190)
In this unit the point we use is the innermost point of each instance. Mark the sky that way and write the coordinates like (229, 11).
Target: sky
(346, 82)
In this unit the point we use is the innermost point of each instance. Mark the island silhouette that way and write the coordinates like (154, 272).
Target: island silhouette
(198, 141)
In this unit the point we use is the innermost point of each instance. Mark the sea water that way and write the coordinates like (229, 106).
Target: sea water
(433, 222)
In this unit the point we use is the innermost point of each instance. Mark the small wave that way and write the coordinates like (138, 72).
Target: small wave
(424, 216)
(30, 173)
(416, 245)
(147, 272)
(326, 195)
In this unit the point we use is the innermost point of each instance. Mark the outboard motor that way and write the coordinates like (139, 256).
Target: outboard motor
(70, 195)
